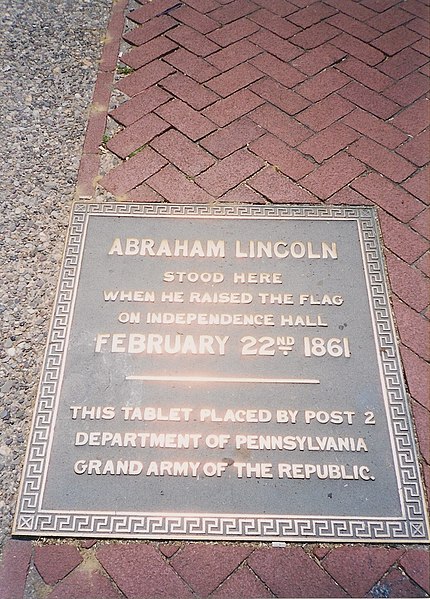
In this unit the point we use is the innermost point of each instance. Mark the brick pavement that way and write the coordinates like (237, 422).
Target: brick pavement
(262, 101)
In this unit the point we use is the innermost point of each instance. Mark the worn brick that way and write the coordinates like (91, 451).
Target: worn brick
(287, 160)
(419, 185)
(409, 89)
(416, 564)
(379, 158)
(314, 36)
(229, 172)
(278, 69)
(143, 193)
(150, 10)
(418, 149)
(375, 128)
(188, 16)
(176, 187)
(408, 283)
(356, 28)
(243, 193)
(183, 153)
(346, 195)
(274, 23)
(280, 7)
(361, 50)
(136, 135)
(169, 549)
(206, 566)
(204, 6)
(233, 11)
(390, 19)
(275, 45)
(380, 5)
(369, 100)
(84, 583)
(54, 562)
(193, 124)
(279, 189)
(352, 8)
(368, 76)
(422, 46)
(141, 35)
(194, 66)
(242, 584)
(421, 223)
(278, 569)
(325, 112)
(418, 378)
(233, 55)
(414, 118)
(402, 63)
(228, 109)
(311, 14)
(227, 140)
(138, 106)
(388, 196)
(328, 142)
(420, 26)
(419, 9)
(188, 90)
(331, 176)
(322, 85)
(14, 567)
(358, 568)
(401, 240)
(234, 79)
(142, 55)
(144, 77)
(132, 172)
(423, 264)
(280, 96)
(393, 41)
(87, 175)
(280, 124)
(233, 32)
(313, 61)
(398, 585)
(192, 40)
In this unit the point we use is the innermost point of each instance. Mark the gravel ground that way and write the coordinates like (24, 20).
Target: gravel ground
(50, 54)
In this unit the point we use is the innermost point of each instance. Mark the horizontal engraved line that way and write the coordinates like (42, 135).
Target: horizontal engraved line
(219, 379)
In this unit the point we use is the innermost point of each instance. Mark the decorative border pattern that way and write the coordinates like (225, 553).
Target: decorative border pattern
(31, 519)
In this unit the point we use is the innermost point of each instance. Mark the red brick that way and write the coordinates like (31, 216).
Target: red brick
(132, 172)
(400, 239)
(233, 11)
(420, 26)
(356, 28)
(144, 77)
(190, 64)
(150, 10)
(136, 135)
(168, 549)
(274, 23)
(173, 185)
(275, 45)
(229, 172)
(409, 89)
(138, 106)
(390, 19)
(418, 9)
(233, 32)
(242, 584)
(83, 583)
(278, 70)
(375, 128)
(358, 568)
(280, 189)
(277, 122)
(193, 124)
(13, 568)
(243, 194)
(325, 112)
(182, 152)
(228, 109)
(402, 63)
(416, 564)
(419, 185)
(414, 118)
(188, 90)
(366, 75)
(315, 35)
(313, 61)
(369, 100)
(346, 195)
(424, 264)
(112, 40)
(279, 155)
(204, 567)
(334, 174)
(359, 49)
(417, 376)
(150, 30)
(352, 8)
(311, 14)
(192, 40)
(238, 134)
(303, 3)
(279, 7)
(54, 562)
(196, 20)
(279, 568)
(280, 96)
(421, 223)
(143, 193)
(398, 585)
(142, 55)
(379, 158)
(393, 41)
(233, 55)
(203, 6)
(87, 176)
(328, 142)
(234, 79)
(423, 46)
(388, 196)
(322, 85)
(87, 543)
(408, 283)
(140, 571)
(380, 5)
(418, 149)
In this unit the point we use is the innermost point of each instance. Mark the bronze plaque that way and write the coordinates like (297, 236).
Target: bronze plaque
(222, 372)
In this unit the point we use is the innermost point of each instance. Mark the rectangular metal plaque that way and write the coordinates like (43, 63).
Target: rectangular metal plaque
(222, 372)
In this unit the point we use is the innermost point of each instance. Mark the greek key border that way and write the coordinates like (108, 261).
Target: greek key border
(30, 517)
